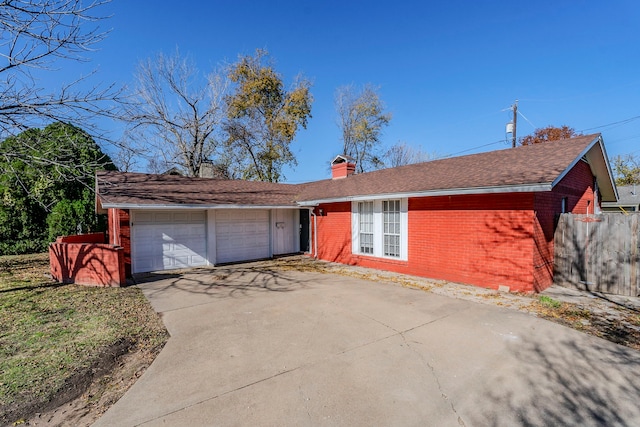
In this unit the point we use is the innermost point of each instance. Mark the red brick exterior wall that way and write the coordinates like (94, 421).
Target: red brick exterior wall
(334, 232)
(120, 234)
(483, 240)
(577, 187)
(86, 263)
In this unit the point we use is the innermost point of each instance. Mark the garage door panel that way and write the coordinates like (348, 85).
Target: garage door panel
(146, 232)
(167, 240)
(242, 235)
(162, 217)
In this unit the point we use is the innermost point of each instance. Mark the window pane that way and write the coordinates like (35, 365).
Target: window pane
(365, 216)
(391, 227)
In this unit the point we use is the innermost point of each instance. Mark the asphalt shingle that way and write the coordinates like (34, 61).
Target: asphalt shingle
(535, 164)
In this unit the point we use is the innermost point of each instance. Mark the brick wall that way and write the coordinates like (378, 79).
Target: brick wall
(577, 187)
(334, 232)
(78, 259)
(485, 240)
(120, 234)
(342, 170)
(83, 238)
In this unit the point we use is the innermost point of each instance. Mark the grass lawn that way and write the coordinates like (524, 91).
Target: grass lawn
(54, 339)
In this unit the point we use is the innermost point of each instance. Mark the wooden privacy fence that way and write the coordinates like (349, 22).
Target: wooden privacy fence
(599, 253)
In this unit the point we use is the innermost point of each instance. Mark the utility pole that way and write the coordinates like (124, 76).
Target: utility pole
(515, 119)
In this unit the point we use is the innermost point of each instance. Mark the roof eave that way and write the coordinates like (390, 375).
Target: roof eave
(599, 164)
(522, 188)
(139, 206)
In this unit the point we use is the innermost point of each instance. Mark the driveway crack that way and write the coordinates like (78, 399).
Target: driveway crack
(420, 356)
(220, 395)
(396, 332)
(434, 375)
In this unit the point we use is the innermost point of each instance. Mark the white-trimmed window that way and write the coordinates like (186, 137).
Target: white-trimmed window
(365, 216)
(379, 228)
(391, 227)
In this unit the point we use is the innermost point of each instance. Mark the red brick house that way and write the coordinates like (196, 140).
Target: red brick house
(483, 219)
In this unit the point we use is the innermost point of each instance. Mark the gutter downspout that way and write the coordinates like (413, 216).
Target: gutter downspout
(315, 234)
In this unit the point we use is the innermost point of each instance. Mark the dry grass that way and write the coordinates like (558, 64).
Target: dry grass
(54, 338)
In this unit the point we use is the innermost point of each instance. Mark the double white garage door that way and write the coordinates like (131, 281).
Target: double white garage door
(163, 240)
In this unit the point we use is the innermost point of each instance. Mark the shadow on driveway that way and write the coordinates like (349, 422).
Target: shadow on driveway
(259, 345)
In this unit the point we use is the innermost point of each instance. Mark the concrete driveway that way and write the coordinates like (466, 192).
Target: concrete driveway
(274, 348)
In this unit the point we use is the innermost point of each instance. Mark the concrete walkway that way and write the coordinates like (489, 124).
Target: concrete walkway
(275, 348)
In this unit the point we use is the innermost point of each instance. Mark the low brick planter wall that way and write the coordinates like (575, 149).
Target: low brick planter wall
(87, 260)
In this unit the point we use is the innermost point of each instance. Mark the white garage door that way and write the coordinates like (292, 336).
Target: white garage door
(242, 235)
(163, 240)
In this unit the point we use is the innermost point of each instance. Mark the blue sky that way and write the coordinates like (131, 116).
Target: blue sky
(447, 70)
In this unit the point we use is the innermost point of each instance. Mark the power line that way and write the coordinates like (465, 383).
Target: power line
(621, 122)
(528, 121)
(475, 148)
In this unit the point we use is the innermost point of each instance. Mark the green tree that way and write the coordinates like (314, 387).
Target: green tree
(41, 181)
(361, 118)
(626, 169)
(264, 117)
(549, 133)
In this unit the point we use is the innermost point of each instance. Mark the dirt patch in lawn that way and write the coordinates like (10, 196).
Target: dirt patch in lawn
(68, 343)
(103, 391)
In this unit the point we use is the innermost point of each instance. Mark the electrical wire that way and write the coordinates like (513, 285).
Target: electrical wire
(502, 141)
(528, 121)
(621, 122)
(618, 123)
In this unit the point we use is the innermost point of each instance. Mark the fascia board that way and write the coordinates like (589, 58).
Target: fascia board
(185, 206)
(610, 172)
(585, 152)
(527, 188)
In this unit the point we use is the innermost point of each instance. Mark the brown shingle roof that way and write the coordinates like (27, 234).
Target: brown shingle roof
(522, 166)
(119, 188)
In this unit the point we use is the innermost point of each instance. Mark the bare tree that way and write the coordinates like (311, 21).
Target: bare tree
(361, 118)
(175, 112)
(35, 36)
(401, 154)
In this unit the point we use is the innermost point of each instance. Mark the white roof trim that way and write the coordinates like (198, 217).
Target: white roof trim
(575, 161)
(606, 160)
(185, 206)
(528, 188)
(597, 141)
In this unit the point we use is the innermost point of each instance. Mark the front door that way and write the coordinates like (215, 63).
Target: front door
(304, 230)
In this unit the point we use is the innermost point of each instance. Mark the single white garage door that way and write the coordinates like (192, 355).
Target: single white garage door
(241, 234)
(164, 240)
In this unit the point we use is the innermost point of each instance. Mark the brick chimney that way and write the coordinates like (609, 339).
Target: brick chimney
(342, 166)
